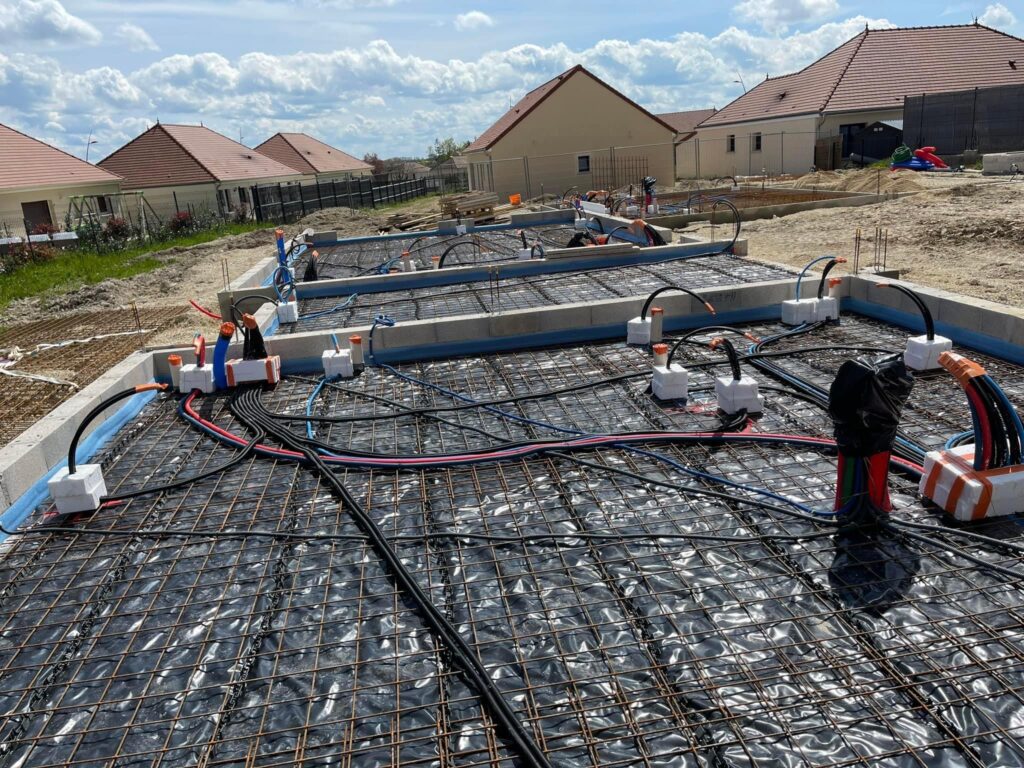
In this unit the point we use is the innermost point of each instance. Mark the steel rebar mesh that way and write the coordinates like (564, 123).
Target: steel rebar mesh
(369, 256)
(259, 651)
(511, 293)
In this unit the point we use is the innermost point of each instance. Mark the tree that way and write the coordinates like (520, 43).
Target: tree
(370, 158)
(444, 149)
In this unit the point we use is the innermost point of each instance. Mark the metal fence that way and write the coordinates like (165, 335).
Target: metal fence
(982, 119)
(286, 203)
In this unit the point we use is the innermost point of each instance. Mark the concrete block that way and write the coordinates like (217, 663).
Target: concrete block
(518, 323)
(414, 334)
(322, 238)
(1002, 162)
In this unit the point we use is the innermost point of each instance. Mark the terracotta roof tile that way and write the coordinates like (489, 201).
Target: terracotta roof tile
(168, 155)
(518, 111)
(877, 68)
(305, 154)
(686, 122)
(29, 163)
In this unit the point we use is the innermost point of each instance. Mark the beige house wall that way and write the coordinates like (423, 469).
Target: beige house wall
(204, 197)
(787, 146)
(58, 198)
(582, 117)
(201, 197)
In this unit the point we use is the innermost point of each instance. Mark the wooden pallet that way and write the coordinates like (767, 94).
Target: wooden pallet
(469, 205)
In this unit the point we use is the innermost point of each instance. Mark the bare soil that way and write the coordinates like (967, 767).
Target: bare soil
(960, 233)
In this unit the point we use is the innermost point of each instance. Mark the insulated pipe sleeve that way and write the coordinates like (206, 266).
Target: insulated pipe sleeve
(926, 314)
(655, 294)
(73, 448)
(220, 355)
(824, 274)
(281, 256)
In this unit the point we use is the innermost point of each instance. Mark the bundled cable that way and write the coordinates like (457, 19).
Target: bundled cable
(997, 428)
(311, 275)
(253, 346)
(730, 351)
(824, 274)
(865, 402)
(926, 314)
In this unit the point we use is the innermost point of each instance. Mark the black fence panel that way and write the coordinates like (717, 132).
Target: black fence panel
(982, 119)
(284, 203)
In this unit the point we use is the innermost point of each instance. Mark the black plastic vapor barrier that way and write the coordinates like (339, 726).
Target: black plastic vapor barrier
(666, 619)
(510, 293)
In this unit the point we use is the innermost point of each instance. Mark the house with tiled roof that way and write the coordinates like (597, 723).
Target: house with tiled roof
(685, 125)
(573, 131)
(190, 167)
(317, 161)
(38, 182)
(786, 124)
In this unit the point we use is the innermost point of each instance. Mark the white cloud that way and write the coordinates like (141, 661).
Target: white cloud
(135, 38)
(997, 15)
(777, 16)
(376, 98)
(473, 20)
(45, 21)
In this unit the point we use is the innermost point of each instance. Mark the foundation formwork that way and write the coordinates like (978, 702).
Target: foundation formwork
(630, 607)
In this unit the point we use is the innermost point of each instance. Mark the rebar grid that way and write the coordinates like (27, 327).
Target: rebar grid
(27, 400)
(368, 256)
(511, 293)
(267, 652)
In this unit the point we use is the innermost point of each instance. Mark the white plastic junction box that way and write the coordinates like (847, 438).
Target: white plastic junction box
(288, 312)
(800, 311)
(735, 395)
(338, 363)
(80, 492)
(950, 480)
(192, 377)
(265, 369)
(922, 354)
(671, 382)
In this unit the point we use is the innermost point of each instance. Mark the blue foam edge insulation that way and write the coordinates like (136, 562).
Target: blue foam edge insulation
(438, 277)
(981, 342)
(17, 513)
(609, 332)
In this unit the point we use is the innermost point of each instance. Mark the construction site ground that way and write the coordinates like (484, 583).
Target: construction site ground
(963, 233)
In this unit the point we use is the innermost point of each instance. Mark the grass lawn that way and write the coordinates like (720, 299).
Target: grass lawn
(73, 269)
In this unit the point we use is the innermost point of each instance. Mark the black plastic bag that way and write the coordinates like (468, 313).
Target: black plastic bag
(866, 401)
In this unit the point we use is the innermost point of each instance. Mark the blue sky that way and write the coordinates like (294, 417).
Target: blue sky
(391, 75)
